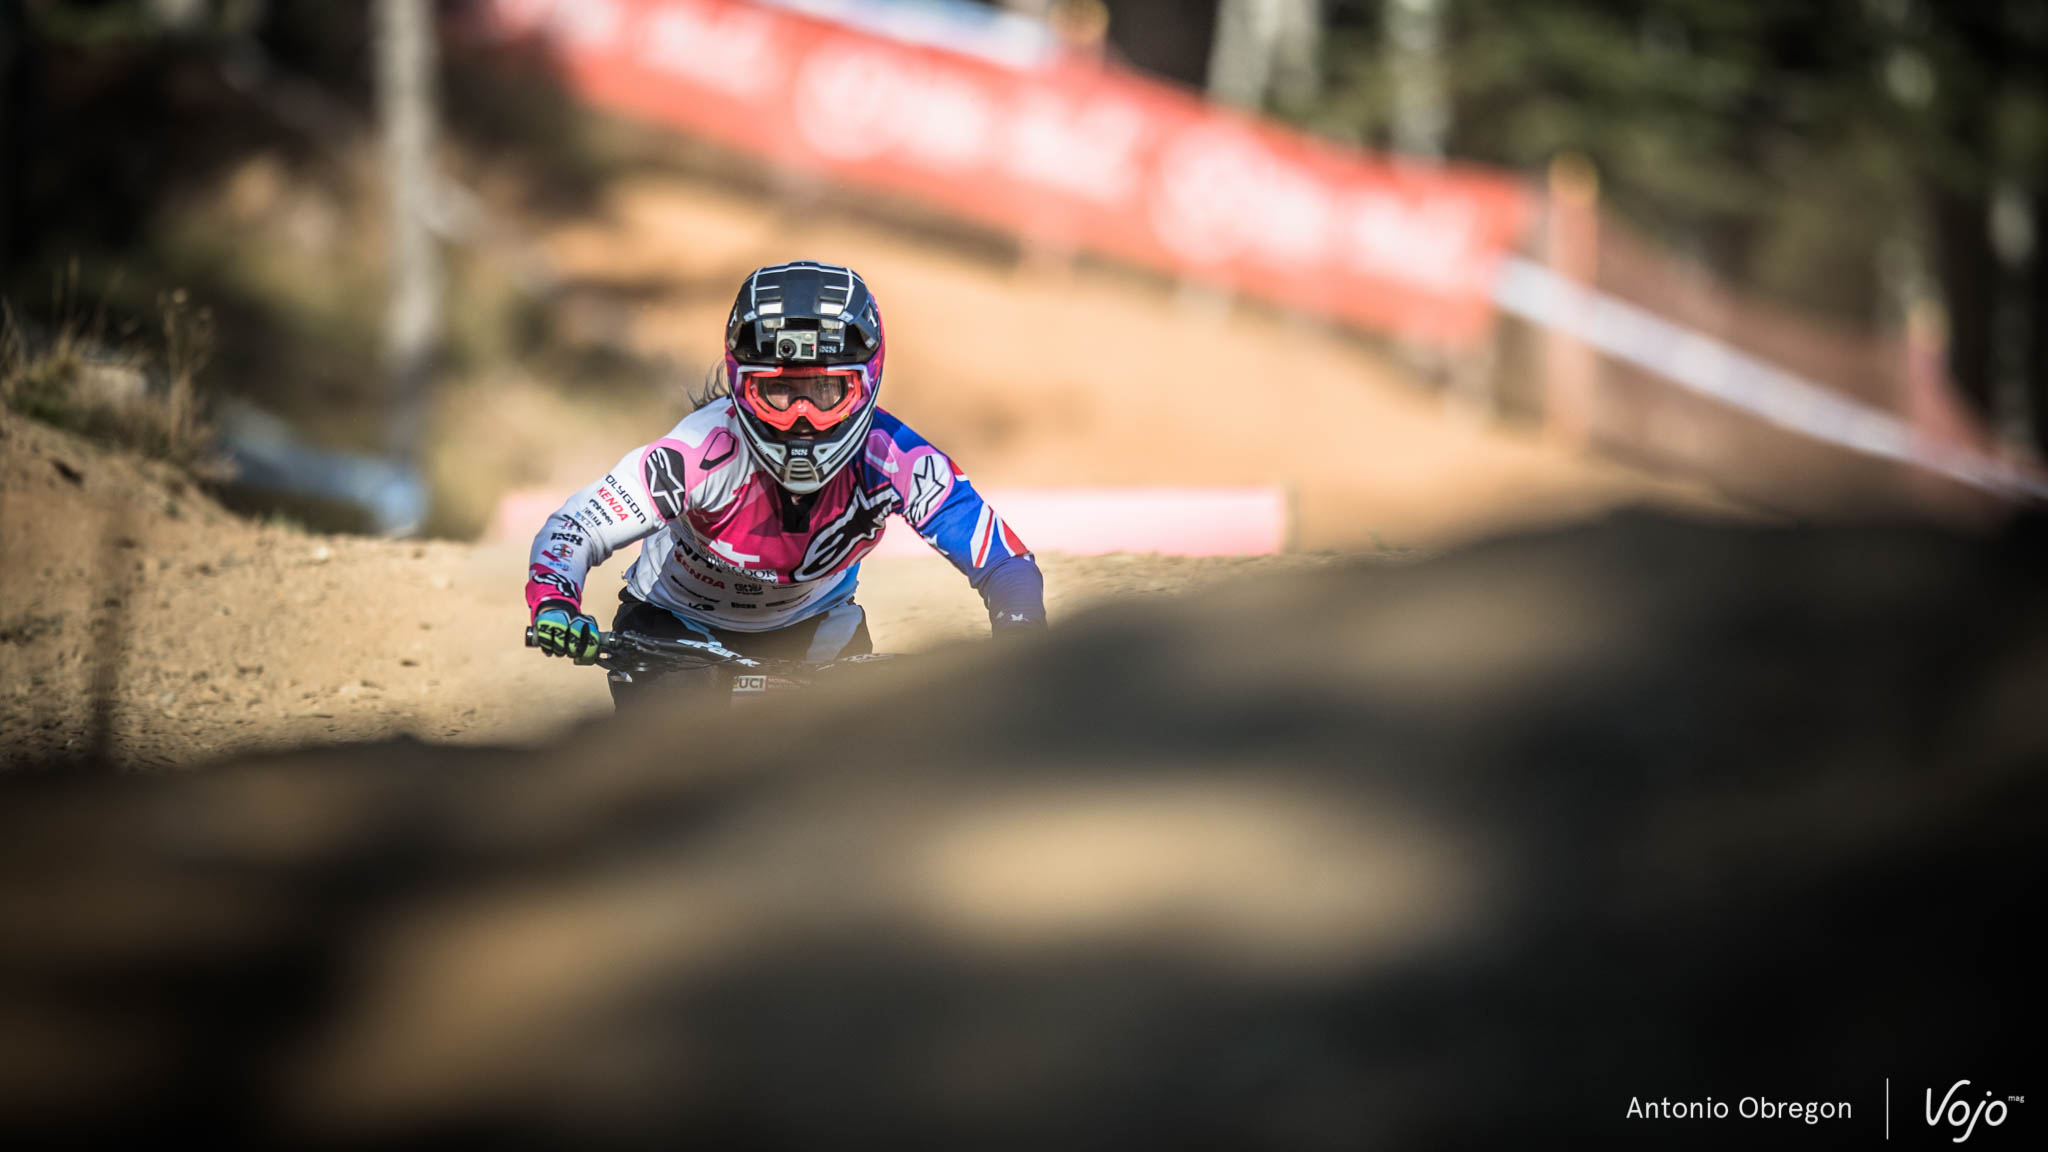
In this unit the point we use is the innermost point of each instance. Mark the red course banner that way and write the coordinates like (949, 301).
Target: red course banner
(1075, 153)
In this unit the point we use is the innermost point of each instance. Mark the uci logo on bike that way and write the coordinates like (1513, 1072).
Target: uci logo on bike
(1957, 1111)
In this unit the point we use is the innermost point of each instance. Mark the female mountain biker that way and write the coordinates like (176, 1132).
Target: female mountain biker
(758, 507)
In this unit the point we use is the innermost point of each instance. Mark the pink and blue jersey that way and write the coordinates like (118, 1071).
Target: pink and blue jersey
(726, 546)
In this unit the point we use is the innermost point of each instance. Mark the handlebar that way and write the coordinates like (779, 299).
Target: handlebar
(641, 653)
(704, 652)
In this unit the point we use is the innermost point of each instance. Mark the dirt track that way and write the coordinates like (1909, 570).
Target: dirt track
(241, 635)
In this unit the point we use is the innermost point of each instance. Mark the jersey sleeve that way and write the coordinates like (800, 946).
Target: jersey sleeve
(629, 503)
(941, 504)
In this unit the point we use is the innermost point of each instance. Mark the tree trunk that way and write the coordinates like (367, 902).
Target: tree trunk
(1969, 276)
(2036, 305)
(14, 96)
(405, 69)
(1414, 56)
(1297, 77)
(1240, 57)
(1264, 49)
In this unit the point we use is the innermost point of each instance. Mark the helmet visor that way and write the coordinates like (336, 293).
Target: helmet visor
(779, 397)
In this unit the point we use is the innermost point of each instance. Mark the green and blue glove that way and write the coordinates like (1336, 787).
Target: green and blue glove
(561, 630)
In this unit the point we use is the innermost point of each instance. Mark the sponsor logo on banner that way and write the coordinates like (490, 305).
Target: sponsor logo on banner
(869, 101)
(730, 49)
(1087, 148)
(1084, 154)
(1225, 197)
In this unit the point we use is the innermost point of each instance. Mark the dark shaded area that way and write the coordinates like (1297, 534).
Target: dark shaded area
(1642, 810)
(116, 125)
(1164, 37)
(1825, 155)
(134, 115)
(15, 85)
(232, 162)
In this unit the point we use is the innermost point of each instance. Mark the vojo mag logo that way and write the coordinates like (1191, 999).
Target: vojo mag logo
(1962, 1109)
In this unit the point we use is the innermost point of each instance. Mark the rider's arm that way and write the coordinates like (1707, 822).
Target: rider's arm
(941, 504)
(1013, 590)
(605, 516)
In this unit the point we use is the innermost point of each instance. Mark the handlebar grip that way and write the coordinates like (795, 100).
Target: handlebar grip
(604, 639)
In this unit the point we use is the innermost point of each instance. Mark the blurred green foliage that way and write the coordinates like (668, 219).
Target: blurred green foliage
(233, 155)
(1792, 145)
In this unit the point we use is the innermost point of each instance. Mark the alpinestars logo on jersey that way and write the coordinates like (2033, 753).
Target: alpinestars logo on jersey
(860, 521)
(663, 472)
(931, 487)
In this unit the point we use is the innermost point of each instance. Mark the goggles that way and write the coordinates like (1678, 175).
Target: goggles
(779, 397)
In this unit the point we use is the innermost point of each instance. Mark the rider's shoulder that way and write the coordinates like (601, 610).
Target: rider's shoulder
(921, 474)
(702, 446)
(898, 435)
(701, 422)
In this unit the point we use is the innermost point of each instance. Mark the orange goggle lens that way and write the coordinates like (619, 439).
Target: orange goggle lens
(780, 397)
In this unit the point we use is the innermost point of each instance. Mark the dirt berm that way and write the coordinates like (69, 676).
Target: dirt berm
(201, 634)
(1469, 853)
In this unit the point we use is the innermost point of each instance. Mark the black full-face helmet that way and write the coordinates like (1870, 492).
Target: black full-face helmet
(803, 356)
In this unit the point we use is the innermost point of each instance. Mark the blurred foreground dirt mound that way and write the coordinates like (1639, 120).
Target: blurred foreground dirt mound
(1444, 855)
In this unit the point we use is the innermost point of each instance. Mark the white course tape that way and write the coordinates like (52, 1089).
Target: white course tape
(1711, 368)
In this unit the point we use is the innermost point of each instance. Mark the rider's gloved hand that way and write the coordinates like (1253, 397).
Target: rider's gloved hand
(1007, 626)
(561, 630)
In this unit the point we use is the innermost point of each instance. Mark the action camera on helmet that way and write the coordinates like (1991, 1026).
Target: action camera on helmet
(796, 346)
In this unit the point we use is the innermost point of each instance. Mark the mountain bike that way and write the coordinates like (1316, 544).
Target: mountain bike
(635, 657)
